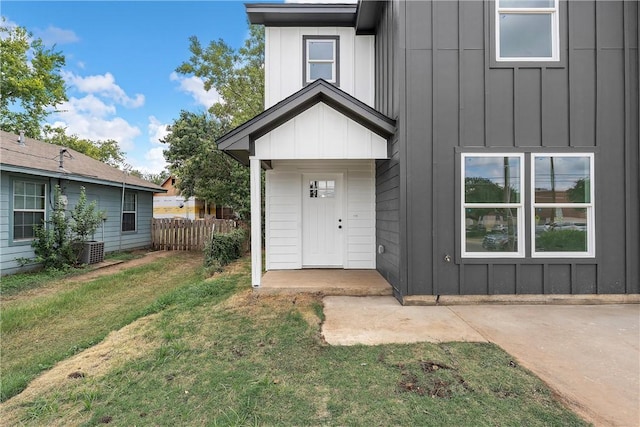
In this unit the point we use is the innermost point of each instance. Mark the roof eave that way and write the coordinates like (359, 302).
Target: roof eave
(295, 15)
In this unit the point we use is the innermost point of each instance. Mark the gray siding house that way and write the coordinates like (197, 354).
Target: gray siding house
(511, 160)
(30, 170)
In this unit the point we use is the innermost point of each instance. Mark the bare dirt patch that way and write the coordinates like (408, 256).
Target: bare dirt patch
(119, 347)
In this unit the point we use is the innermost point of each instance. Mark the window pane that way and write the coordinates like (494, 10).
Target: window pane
(30, 202)
(129, 201)
(18, 188)
(18, 202)
(561, 230)
(491, 230)
(321, 70)
(321, 50)
(492, 180)
(527, 3)
(128, 222)
(562, 179)
(525, 35)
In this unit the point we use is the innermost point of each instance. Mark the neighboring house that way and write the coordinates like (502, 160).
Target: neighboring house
(439, 142)
(172, 205)
(30, 170)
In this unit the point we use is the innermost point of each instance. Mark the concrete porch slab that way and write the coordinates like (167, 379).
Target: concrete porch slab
(382, 320)
(325, 282)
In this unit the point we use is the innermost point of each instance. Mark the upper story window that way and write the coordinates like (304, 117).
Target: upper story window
(321, 59)
(527, 30)
(29, 208)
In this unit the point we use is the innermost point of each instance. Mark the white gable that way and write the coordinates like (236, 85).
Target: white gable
(321, 133)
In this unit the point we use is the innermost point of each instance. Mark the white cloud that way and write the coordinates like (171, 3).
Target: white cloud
(90, 104)
(154, 161)
(54, 35)
(194, 86)
(90, 118)
(157, 130)
(104, 85)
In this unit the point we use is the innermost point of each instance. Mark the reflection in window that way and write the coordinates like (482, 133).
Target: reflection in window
(322, 189)
(527, 30)
(563, 208)
(492, 205)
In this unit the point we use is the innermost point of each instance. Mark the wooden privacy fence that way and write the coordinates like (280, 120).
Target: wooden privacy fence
(177, 234)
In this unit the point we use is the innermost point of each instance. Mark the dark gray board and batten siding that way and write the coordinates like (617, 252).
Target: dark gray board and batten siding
(449, 96)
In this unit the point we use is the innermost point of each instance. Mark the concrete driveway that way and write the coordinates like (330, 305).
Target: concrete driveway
(588, 354)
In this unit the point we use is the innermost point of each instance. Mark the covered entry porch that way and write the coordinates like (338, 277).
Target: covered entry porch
(326, 282)
(318, 148)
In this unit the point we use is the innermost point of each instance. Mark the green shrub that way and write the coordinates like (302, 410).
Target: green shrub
(224, 248)
(562, 241)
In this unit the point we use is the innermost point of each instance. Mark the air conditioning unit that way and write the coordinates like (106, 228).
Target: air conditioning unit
(92, 253)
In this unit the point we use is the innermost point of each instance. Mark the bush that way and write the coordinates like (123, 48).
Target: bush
(224, 248)
(562, 241)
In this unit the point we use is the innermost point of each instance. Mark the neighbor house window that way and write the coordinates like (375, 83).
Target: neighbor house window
(563, 205)
(321, 54)
(129, 211)
(527, 30)
(29, 208)
(493, 211)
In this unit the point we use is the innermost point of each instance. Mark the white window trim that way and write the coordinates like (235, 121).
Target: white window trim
(134, 212)
(555, 31)
(590, 207)
(520, 206)
(333, 62)
(13, 207)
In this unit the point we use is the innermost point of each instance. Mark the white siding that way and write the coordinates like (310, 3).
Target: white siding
(284, 211)
(283, 62)
(321, 133)
(282, 220)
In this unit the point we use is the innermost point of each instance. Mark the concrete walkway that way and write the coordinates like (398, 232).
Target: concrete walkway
(588, 354)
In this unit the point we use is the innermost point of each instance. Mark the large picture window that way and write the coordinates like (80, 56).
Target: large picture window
(562, 211)
(321, 55)
(29, 207)
(493, 218)
(527, 30)
(129, 211)
(559, 200)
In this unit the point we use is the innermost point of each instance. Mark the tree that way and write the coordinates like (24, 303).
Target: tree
(203, 170)
(237, 76)
(156, 178)
(108, 151)
(30, 81)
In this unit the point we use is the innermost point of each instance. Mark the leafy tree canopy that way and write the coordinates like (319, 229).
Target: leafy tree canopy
(30, 82)
(238, 76)
(107, 151)
(201, 169)
(156, 178)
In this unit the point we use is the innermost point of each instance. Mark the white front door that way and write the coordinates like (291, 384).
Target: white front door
(322, 220)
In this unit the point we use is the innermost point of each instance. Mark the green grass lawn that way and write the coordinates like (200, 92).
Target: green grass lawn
(218, 354)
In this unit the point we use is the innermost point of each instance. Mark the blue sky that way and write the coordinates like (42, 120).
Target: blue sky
(120, 62)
